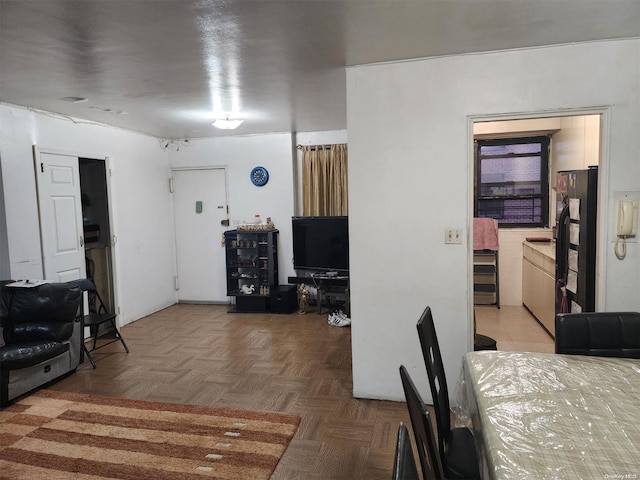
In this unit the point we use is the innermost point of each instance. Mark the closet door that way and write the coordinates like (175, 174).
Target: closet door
(60, 209)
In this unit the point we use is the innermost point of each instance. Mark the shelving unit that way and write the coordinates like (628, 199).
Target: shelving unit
(486, 281)
(252, 268)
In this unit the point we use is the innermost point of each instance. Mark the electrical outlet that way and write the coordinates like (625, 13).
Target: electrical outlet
(452, 235)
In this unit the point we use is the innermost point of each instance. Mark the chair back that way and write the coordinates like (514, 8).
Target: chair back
(404, 463)
(422, 430)
(96, 304)
(84, 284)
(437, 379)
(601, 334)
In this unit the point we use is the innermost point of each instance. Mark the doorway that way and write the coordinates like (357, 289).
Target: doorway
(576, 142)
(97, 228)
(75, 225)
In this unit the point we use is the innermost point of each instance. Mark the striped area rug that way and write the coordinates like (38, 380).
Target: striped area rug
(57, 435)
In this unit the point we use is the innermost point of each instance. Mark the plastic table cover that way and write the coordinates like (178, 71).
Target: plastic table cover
(548, 416)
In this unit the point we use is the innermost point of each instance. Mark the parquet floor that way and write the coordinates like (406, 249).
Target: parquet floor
(200, 354)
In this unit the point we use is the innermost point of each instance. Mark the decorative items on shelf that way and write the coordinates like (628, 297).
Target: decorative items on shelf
(241, 243)
(256, 228)
(251, 290)
(244, 262)
(259, 226)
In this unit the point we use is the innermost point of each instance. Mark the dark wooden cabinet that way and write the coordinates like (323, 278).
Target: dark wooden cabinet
(252, 268)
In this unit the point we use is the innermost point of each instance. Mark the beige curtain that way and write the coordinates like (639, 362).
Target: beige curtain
(324, 180)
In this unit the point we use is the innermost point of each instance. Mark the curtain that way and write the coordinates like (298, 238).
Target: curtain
(324, 180)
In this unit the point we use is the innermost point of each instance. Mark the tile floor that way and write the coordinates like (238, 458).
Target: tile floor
(513, 328)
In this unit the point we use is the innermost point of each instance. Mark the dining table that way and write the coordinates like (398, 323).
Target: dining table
(550, 416)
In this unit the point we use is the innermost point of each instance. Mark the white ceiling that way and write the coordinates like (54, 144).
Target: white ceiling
(164, 67)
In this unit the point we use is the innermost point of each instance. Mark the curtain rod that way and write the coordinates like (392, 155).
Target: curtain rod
(313, 147)
(316, 147)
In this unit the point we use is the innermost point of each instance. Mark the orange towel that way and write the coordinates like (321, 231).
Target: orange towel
(485, 234)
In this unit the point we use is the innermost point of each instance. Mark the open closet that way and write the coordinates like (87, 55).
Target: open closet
(96, 227)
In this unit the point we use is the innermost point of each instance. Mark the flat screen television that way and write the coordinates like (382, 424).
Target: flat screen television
(321, 244)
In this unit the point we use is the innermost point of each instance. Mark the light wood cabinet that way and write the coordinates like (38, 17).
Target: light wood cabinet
(538, 286)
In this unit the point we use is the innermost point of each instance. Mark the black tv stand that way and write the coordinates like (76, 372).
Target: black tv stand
(326, 284)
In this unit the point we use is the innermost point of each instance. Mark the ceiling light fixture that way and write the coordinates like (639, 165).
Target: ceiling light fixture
(227, 124)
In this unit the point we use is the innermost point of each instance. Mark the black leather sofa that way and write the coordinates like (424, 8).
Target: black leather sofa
(42, 336)
(602, 334)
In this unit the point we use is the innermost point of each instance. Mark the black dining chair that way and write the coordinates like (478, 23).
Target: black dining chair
(97, 316)
(404, 463)
(600, 334)
(422, 430)
(456, 445)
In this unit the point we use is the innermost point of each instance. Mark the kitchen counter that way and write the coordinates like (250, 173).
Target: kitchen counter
(548, 249)
(538, 282)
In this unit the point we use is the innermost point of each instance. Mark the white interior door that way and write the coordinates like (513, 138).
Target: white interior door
(58, 181)
(200, 204)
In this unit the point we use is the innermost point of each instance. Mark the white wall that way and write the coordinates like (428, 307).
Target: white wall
(240, 155)
(140, 200)
(507, 128)
(411, 180)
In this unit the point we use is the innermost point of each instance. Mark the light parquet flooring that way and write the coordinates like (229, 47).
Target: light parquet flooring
(297, 364)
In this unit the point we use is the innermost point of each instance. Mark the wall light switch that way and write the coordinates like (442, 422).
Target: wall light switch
(452, 235)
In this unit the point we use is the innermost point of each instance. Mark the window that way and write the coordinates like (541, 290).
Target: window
(324, 180)
(512, 181)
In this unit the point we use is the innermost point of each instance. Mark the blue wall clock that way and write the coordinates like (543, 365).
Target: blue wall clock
(259, 176)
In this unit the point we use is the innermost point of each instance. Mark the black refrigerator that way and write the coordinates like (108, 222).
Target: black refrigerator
(576, 240)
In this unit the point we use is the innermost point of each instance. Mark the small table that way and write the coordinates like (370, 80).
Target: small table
(541, 415)
(327, 284)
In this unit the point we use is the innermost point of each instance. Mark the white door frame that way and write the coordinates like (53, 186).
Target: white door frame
(603, 193)
(37, 151)
(226, 199)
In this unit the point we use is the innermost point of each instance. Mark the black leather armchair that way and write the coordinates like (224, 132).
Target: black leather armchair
(42, 336)
(602, 334)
